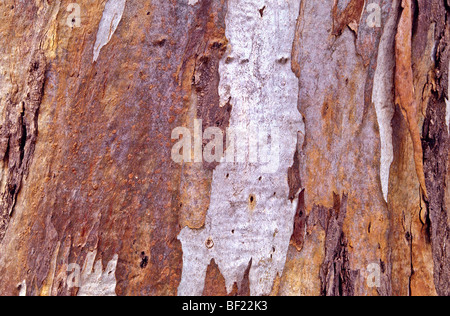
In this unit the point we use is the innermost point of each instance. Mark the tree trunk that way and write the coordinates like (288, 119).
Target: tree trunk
(224, 147)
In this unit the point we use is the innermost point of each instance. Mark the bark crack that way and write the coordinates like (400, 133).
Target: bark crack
(18, 135)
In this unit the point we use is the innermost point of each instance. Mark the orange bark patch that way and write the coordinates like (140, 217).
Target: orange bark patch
(214, 281)
(404, 87)
(350, 15)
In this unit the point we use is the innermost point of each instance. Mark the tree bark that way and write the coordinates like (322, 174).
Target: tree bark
(224, 147)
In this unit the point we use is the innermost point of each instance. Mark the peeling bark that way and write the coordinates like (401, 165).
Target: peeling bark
(18, 135)
(357, 203)
(336, 275)
(346, 16)
(405, 87)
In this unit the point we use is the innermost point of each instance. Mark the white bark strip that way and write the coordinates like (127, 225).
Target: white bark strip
(112, 14)
(256, 76)
(23, 288)
(383, 97)
(447, 102)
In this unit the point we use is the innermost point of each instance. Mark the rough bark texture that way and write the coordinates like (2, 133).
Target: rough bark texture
(354, 94)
